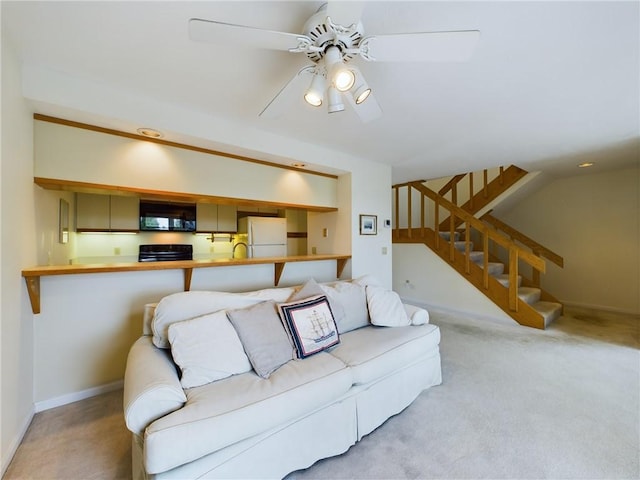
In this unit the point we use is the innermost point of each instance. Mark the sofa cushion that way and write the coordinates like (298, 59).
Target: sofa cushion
(186, 305)
(207, 349)
(263, 336)
(311, 325)
(219, 414)
(351, 305)
(385, 307)
(374, 352)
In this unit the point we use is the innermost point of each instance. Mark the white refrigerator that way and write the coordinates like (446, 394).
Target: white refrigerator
(266, 236)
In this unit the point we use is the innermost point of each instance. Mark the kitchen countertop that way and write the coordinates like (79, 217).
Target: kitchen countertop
(32, 275)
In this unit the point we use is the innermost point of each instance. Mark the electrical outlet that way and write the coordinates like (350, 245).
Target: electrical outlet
(116, 251)
(314, 250)
(325, 232)
(212, 249)
(384, 250)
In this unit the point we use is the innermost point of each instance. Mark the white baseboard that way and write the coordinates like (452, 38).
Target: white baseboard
(599, 309)
(452, 311)
(76, 396)
(15, 443)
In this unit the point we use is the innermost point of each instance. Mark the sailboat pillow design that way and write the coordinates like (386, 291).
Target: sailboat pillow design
(311, 325)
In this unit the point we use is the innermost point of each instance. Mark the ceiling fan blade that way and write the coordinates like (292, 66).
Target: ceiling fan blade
(210, 31)
(421, 47)
(345, 13)
(285, 97)
(368, 111)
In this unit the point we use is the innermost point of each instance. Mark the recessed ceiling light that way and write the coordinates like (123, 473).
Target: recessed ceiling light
(298, 165)
(149, 132)
(586, 164)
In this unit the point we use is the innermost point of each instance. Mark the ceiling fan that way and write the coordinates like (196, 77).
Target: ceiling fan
(331, 39)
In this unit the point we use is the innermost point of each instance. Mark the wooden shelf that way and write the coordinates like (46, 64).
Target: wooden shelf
(32, 275)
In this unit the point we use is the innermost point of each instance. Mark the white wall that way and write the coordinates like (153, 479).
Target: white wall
(593, 221)
(76, 154)
(422, 278)
(17, 249)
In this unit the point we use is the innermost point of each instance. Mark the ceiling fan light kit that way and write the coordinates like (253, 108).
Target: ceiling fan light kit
(332, 45)
(315, 93)
(335, 100)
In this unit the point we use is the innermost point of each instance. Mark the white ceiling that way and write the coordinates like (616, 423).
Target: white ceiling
(550, 83)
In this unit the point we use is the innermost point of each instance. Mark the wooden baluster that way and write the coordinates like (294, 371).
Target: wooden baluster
(397, 195)
(501, 175)
(470, 189)
(513, 279)
(486, 183)
(485, 260)
(535, 273)
(452, 240)
(436, 219)
(422, 214)
(467, 248)
(409, 211)
(454, 194)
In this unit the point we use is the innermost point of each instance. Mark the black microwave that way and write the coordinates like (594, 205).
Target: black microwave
(158, 216)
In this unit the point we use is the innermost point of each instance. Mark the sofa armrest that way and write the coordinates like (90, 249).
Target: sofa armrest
(151, 385)
(418, 316)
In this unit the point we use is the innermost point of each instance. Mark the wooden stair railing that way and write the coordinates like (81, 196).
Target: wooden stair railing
(489, 192)
(461, 261)
(535, 247)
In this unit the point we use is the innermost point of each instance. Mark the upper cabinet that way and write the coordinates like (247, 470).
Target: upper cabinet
(107, 213)
(211, 217)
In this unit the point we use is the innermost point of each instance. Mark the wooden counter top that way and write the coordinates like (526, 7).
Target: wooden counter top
(32, 275)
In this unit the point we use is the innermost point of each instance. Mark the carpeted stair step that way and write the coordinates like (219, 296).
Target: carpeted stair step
(550, 311)
(447, 235)
(461, 245)
(495, 268)
(477, 257)
(504, 279)
(529, 295)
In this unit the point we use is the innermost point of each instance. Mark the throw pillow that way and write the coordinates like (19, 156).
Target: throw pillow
(263, 336)
(311, 325)
(351, 305)
(418, 316)
(386, 308)
(207, 349)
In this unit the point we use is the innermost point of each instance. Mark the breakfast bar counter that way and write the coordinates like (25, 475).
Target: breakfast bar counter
(32, 275)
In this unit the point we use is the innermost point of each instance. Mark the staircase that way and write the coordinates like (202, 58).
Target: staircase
(487, 252)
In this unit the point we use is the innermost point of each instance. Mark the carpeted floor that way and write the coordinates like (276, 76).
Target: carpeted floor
(515, 403)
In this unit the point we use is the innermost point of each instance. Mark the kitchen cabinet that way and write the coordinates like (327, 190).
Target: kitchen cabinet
(107, 213)
(211, 217)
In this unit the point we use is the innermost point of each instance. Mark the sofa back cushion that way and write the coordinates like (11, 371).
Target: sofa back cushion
(182, 306)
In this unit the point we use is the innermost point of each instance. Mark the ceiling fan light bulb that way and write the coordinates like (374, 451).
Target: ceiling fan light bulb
(344, 79)
(362, 95)
(313, 99)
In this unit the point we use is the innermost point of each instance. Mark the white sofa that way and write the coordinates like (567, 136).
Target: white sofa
(247, 426)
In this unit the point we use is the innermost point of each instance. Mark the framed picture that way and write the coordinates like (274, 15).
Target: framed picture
(368, 224)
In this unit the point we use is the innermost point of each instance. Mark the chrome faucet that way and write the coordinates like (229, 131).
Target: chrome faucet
(233, 252)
